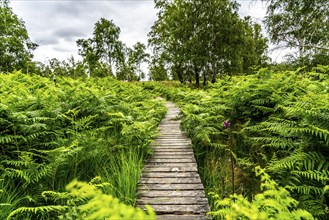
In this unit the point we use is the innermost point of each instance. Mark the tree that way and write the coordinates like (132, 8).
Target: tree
(103, 51)
(15, 45)
(137, 56)
(204, 38)
(130, 61)
(299, 24)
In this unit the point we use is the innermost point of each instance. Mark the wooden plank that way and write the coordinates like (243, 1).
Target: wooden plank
(182, 217)
(179, 209)
(173, 150)
(173, 186)
(169, 174)
(178, 135)
(169, 180)
(172, 201)
(173, 153)
(173, 160)
(150, 168)
(173, 156)
(172, 193)
(175, 136)
(172, 144)
(171, 164)
(172, 140)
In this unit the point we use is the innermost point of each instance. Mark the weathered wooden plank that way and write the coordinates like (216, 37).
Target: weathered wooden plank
(168, 180)
(182, 217)
(179, 209)
(172, 201)
(173, 153)
(173, 174)
(173, 156)
(172, 144)
(174, 150)
(150, 168)
(173, 160)
(179, 135)
(172, 193)
(171, 122)
(172, 140)
(173, 186)
(172, 164)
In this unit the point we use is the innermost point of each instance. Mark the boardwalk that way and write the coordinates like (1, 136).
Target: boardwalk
(170, 182)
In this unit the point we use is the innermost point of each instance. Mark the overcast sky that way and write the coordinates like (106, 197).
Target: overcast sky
(55, 25)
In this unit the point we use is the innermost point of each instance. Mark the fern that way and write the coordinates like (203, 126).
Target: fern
(273, 203)
(37, 210)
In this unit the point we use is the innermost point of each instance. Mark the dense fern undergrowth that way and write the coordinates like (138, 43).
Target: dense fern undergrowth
(272, 124)
(73, 149)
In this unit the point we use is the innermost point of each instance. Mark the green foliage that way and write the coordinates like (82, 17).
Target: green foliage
(191, 39)
(98, 205)
(302, 25)
(15, 45)
(105, 55)
(84, 201)
(273, 203)
(54, 132)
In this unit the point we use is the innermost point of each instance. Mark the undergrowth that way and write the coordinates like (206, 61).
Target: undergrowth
(52, 133)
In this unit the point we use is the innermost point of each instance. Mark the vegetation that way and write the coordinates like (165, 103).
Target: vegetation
(191, 39)
(15, 46)
(301, 25)
(55, 132)
(275, 120)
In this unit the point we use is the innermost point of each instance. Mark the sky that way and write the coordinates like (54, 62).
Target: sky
(56, 25)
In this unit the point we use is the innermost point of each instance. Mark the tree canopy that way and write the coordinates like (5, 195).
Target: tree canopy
(194, 38)
(106, 55)
(300, 24)
(15, 45)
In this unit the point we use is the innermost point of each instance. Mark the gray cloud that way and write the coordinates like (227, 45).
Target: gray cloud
(69, 33)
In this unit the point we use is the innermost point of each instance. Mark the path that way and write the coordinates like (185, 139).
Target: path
(170, 182)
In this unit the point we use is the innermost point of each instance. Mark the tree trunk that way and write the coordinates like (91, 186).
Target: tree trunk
(179, 73)
(204, 79)
(213, 76)
(197, 76)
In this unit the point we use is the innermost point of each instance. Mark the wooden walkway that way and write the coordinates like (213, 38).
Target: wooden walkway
(170, 182)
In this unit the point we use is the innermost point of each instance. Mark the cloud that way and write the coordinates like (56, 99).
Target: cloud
(255, 9)
(56, 25)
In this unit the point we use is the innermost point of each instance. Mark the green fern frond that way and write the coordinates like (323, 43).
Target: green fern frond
(274, 142)
(289, 162)
(322, 176)
(306, 190)
(6, 139)
(37, 210)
